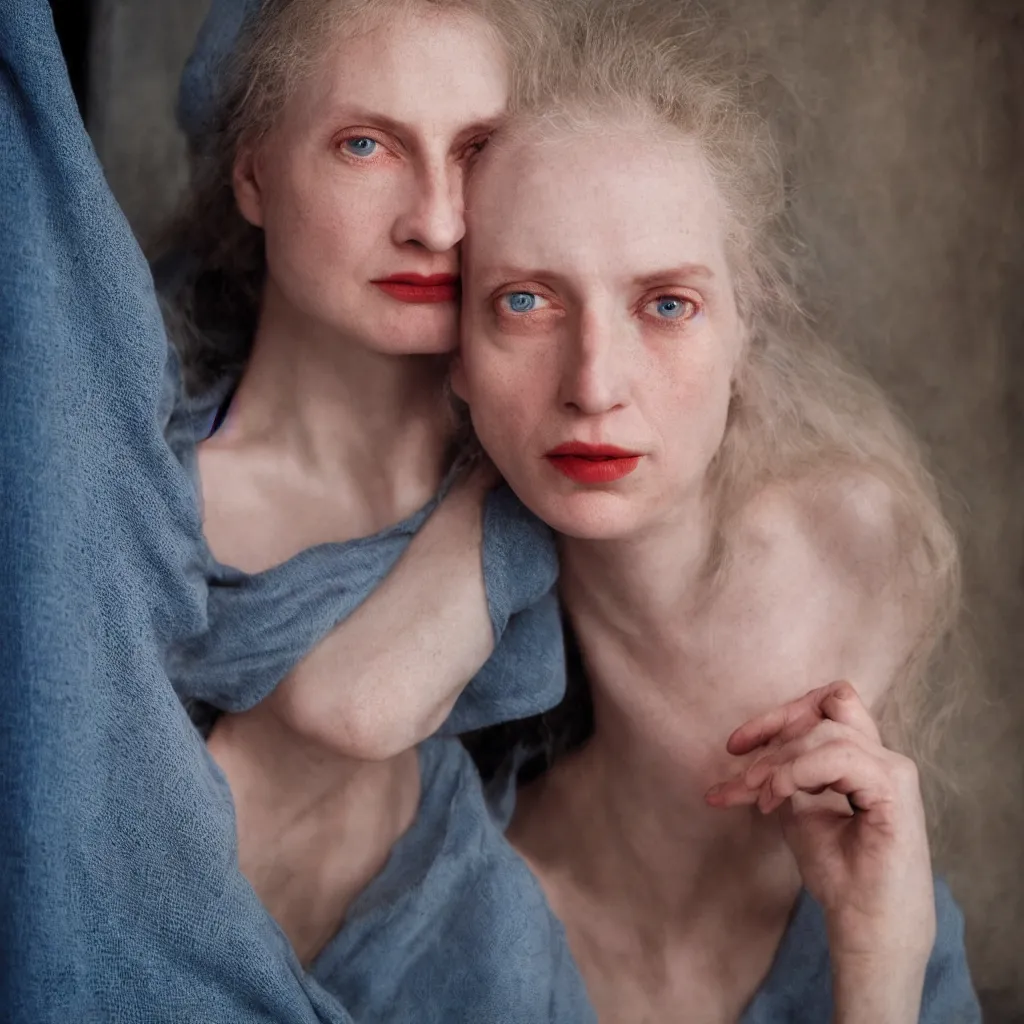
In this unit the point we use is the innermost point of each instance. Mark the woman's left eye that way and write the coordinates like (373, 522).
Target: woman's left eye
(361, 145)
(670, 307)
(523, 302)
(476, 147)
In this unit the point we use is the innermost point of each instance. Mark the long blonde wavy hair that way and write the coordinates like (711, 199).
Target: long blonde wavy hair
(798, 406)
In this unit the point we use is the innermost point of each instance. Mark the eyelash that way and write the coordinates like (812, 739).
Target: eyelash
(685, 301)
(342, 142)
(502, 308)
(475, 147)
(469, 152)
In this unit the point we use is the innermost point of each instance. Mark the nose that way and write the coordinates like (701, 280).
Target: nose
(595, 376)
(434, 213)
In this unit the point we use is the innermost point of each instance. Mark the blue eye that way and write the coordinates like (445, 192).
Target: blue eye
(670, 307)
(361, 146)
(523, 302)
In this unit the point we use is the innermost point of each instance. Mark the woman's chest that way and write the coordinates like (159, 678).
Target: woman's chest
(707, 974)
(257, 515)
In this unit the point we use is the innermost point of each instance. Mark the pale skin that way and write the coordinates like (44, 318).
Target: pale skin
(350, 437)
(673, 845)
(340, 427)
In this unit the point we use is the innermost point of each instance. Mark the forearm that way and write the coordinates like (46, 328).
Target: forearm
(877, 992)
(387, 676)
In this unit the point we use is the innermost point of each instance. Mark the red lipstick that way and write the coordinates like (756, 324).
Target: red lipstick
(420, 288)
(593, 463)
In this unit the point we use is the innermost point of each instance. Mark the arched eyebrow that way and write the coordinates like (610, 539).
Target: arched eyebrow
(681, 271)
(485, 126)
(493, 277)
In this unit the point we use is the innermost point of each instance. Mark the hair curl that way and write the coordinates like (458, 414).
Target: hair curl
(798, 408)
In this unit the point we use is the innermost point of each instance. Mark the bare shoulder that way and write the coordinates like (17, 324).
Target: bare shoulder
(845, 519)
(816, 585)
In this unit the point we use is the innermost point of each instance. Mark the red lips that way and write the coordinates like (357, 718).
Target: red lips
(593, 463)
(420, 288)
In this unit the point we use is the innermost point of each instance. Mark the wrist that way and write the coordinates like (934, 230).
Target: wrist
(862, 938)
(880, 988)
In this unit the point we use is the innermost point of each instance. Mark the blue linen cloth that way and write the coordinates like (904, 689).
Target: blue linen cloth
(119, 893)
(261, 625)
(457, 929)
(120, 898)
(207, 64)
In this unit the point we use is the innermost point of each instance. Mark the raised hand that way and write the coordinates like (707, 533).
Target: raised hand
(866, 859)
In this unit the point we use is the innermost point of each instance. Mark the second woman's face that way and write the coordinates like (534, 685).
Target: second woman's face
(600, 331)
(359, 186)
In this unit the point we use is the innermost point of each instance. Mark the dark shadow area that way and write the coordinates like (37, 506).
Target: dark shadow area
(73, 21)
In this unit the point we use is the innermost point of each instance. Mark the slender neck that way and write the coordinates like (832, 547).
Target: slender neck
(636, 588)
(628, 811)
(340, 409)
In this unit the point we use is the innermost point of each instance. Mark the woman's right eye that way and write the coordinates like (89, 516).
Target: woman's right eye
(361, 145)
(522, 302)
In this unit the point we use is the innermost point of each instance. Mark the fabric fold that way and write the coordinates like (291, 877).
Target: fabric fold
(259, 626)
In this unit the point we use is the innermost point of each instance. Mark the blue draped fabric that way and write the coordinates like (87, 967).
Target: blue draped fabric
(457, 930)
(263, 624)
(120, 899)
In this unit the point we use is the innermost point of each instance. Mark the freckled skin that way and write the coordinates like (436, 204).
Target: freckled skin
(599, 368)
(674, 906)
(335, 219)
(338, 428)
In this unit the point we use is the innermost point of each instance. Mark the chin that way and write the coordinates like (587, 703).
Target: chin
(417, 331)
(586, 515)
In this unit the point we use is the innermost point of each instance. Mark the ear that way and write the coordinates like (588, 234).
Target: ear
(246, 185)
(458, 378)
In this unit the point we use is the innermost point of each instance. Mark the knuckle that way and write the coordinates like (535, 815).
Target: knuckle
(847, 749)
(905, 772)
(828, 731)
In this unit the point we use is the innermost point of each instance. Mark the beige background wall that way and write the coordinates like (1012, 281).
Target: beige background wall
(911, 162)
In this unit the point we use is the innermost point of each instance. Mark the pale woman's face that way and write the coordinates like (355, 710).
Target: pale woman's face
(359, 186)
(600, 331)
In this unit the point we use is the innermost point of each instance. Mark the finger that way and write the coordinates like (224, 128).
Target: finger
(837, 702)
(778, 753)
(771, 781)
(754, 776)
(843, 766)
